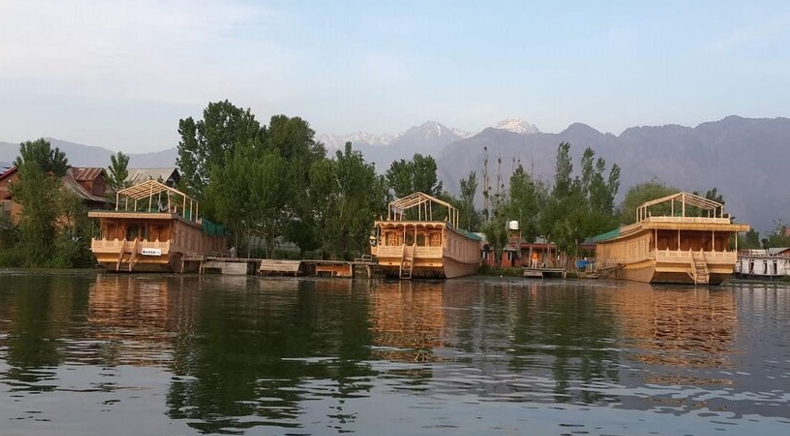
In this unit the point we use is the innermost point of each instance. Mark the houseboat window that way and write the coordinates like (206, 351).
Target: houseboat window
(136, 231)
(776, 269)
(765, 267)
(409, 238)
(421, 240)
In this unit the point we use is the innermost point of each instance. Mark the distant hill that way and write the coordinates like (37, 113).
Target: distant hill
(92, 156)
(745, 159)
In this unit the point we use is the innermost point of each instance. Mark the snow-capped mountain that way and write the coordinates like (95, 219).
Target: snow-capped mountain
(358, 138)
(463, 133)
(517, 126)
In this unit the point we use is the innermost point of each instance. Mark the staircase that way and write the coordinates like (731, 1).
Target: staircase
(407, 262)
(124, 251)
(699, 268)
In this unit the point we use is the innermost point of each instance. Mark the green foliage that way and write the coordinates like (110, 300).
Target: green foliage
(348, 194)
(118, 172)
(417, 175)
(495, 231)
(205, 144)
(749, 241)
(779, 238)
(54, 226)
(642, 193)
(526, 198)
(39, 154)
(579, 207)
(468, 217)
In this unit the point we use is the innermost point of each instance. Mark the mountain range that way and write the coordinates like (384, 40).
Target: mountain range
(744, 158)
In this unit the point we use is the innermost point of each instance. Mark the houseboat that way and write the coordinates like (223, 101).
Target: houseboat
(681, 238)
(154, 228)
(411, 243)
(769, 264)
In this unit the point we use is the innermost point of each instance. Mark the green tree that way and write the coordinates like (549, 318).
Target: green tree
(351, 195)
(39, 153)
(526, 196)
(118, 172)
(469, 218)
(247, 193)
(206, 144)
(417, 175)
(38, 192)
(750, 240)
(642, 193)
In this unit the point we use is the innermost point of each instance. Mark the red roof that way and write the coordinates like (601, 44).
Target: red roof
(7, 173)
(82, 174)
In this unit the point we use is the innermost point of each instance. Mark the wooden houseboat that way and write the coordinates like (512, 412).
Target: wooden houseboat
(154, 228)
(681, 238)
(410, 243)
(769, 264)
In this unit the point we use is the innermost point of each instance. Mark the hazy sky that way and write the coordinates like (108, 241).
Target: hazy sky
(120, 74)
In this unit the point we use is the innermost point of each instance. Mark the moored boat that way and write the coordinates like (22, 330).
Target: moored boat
(680, 238)
(154, 228)
(411, 243)
(768, 264)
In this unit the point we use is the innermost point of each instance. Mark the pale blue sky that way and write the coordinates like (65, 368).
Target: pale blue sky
(120, 74)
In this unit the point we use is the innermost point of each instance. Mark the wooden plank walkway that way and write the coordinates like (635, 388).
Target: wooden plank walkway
(543, 272)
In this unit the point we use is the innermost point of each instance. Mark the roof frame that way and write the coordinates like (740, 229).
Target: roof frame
(714, 208)
(423, 203)
(152, 188)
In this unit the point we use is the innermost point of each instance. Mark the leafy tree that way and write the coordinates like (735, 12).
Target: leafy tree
(38, 192)
(642, 193)
(246, 193)
(39, 153)
(526, 197)
(417, 175)
(352, 194)
(469, 218)
(750, 240)
(118, 172)
(206, 144)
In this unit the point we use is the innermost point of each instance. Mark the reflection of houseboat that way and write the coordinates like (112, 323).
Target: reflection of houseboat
(154, 228)
(681, 238)
(411, 243)
(772, 263)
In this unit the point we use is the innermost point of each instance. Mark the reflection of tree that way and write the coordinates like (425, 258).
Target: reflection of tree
(255, 351)
(563, 328)
(38, 309)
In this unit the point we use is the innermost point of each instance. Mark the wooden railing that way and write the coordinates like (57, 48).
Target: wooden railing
(685, 219)
(116, 245)
(685, 256)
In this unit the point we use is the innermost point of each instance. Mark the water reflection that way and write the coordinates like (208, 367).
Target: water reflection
(228, 354)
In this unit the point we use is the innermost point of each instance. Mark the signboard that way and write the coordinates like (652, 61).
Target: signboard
(151, 252)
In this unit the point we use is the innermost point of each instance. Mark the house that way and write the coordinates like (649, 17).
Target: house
(88, 184)
(8, 207)
(167, 175)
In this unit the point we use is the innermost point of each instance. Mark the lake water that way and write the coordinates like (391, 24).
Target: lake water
(87, 354)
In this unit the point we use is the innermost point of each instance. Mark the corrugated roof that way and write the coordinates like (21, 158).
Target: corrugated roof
(777, 250)
(82, 174)
(139, 175)
(71, 183)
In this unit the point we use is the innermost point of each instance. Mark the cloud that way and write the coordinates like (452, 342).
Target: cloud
(170, 51)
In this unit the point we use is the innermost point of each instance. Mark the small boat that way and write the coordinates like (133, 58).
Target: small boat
(769, 264)
(680, 238)
(154, 228)
(411, 243)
